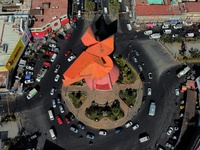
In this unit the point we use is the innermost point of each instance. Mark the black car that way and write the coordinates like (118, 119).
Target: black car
(71, 116)
(59, 98)
(81, 125)
(118, 130)
(61, 37)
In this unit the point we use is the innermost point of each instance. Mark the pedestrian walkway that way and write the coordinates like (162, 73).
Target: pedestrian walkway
(102, 97)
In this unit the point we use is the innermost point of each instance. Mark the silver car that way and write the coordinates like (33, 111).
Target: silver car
(61, 109)
(54, 103)
(73, 129)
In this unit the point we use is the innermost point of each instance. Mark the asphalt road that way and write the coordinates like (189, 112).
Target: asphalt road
(156, 60)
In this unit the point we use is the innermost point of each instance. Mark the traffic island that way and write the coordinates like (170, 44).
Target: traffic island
(128, 96)
(77, 98)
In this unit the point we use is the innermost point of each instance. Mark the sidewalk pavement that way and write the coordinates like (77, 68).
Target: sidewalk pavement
(102, 97)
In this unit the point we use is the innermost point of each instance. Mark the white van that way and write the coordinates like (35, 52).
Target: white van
(105, 9)
(167, 31)
(152, 109)
(148, 32)
(53, 57)
(144, 139)
(155, 36)
(51, 115)
(79, 14)
(129, 27)
(53, 136)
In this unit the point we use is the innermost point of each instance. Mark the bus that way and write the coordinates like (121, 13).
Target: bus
(183, 72)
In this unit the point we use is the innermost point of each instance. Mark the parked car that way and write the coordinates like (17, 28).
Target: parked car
(140, 68)
(148, 32)
(52, 45)
(54, 103)
(178, 26)
(81, 125)
(177, 92)
(57, 68)
(68, 36)
(61, 109)
(118, 129)
(57, 77)
(128, 124)
(59, 98)
(72, 57)
(189, 35)
(102, 132)
(59, 120)
(61, 37)
(52, 92)
(74, 129)
(149, 91)
(29, 81)
(170, 130)
(169, 145)
(68, 53)
(71, 116)
(90, 135)
(135, 59)
(29, 72)
(49, 53)
(47, 64)
(67, 119)
(135, 126)
(34, 136)
(136, 53)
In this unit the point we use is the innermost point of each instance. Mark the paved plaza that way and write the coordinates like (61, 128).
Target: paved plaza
(102, 97)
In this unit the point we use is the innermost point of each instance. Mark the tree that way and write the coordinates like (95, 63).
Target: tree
(89, 5)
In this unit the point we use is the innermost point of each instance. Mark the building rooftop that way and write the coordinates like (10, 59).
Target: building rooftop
(9, 36)
(148, 10)
(45, 11)
(192, 6)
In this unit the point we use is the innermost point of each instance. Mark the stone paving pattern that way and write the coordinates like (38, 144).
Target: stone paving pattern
(102, 97)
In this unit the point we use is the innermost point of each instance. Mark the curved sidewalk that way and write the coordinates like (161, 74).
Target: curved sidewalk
(101, 97)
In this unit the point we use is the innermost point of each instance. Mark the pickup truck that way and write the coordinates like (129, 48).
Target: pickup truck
(32, 93)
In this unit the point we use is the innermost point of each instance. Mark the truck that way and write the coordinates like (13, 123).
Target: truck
(20, 69)
(183, 72)
(32, 93)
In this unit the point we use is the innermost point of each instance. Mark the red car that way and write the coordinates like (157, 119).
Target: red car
(47, 64)
(59, 120)
(68, 53)
(50, 53)
(75, 19)
(68, 36)
(67, 120)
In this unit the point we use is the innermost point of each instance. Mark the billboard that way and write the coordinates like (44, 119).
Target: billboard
(3, 77)
(16, 54)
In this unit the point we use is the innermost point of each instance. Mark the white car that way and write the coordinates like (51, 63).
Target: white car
(52, 45)
(30, 81)
(150, 75)
(29, 67)
(135, 59)
(170, 130)
(148, 32)
(29, 72)
(136, 53)
(72, 57)
(128, 124)
(57, 77)
(149, 91)
(102, 132)
(140, 68)
(127, 9)
(61, 109)
(177, 92)
(169, 145)
(174, 35)
(136, 126)
(54, 103)
(178, 26)
(57, 68)
(52, 92)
